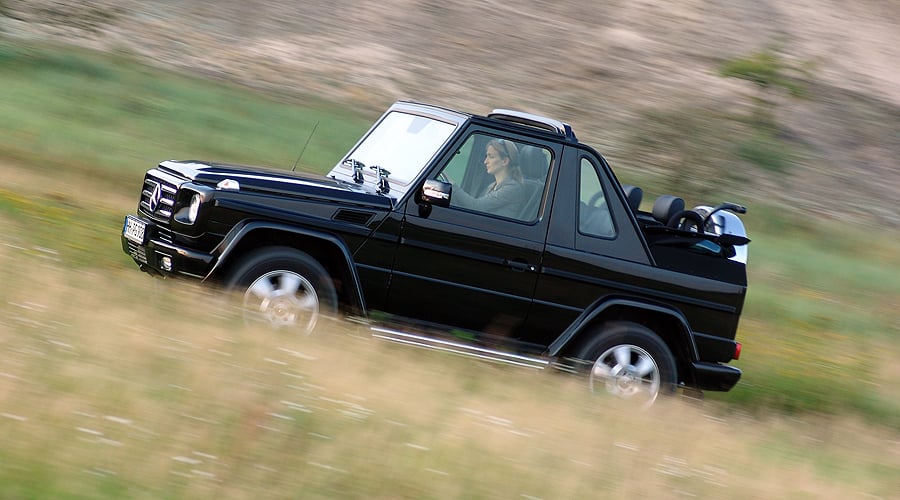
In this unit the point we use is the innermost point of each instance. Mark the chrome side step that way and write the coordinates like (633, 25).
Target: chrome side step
(459, 348)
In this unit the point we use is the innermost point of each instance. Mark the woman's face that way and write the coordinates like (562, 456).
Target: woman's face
(494, 162)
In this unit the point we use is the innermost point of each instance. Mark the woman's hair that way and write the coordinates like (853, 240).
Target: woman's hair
(508, 149)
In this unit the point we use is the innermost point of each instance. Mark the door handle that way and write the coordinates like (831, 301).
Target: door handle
(518, 265)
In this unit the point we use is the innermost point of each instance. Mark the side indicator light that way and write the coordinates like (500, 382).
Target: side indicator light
(229, 184)
(737, 350)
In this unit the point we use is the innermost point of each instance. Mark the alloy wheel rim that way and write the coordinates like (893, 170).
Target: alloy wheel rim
(628, 372)
(283, 299)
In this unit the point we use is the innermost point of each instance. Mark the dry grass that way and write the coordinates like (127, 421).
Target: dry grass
(114, 385)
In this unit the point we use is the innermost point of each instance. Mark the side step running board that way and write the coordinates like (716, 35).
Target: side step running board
(459, 348)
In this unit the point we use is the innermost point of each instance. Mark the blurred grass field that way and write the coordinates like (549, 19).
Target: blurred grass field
(105, 391)
(114, 386)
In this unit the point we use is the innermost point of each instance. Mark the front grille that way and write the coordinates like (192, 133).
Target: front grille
(158, 198)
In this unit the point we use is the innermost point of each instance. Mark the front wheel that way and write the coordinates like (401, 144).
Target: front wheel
(284, 288)
(629, 361)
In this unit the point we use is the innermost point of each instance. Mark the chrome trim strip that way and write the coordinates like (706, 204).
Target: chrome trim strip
(459, 348)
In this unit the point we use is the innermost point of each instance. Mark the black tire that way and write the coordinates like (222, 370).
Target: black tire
(629, 361)
(283, 287)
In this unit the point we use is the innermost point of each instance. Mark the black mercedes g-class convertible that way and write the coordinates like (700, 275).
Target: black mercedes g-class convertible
(499, 236)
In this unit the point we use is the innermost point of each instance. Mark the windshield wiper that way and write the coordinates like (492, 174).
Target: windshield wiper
(382, 173)
(357, 167)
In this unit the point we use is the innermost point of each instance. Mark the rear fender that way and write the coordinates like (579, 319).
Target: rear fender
(612, 308)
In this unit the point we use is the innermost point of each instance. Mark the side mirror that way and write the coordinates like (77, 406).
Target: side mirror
(435, 192)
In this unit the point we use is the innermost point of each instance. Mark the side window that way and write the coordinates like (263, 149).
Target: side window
(594, 218)
(498, 176)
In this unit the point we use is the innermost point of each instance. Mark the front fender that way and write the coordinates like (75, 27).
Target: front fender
(223, 251)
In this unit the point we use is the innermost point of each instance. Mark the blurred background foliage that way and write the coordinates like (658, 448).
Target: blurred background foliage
(809, 147)
(818, 289)
(799, 100)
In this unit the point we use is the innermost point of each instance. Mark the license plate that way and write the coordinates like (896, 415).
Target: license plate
(135, 229)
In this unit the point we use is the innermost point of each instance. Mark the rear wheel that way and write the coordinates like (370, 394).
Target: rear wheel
(284, 288)
(629, 361)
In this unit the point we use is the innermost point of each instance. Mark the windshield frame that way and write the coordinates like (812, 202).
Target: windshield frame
(403, 124)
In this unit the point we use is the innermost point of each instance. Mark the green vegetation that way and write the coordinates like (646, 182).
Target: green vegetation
(764, 149)
(94, 123)
(111, 117)
(704, 151)
(685, 151)
(767, 70)
(821, 322)
(95, 404)
(771, 74)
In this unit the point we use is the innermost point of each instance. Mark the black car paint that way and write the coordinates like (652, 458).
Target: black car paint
(535, 286)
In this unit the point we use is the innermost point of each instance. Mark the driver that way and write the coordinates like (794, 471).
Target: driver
(504, 196)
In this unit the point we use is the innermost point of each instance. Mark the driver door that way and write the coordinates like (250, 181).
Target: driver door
(467, 269)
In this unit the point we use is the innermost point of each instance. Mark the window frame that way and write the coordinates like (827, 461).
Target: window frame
(477, 158)
(583, 162)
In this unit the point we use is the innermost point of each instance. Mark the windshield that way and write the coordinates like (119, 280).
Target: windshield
(401, 144)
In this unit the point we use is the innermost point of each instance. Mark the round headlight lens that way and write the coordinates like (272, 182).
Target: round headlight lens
(195, 208)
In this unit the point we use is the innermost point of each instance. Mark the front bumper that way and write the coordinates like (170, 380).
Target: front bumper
(154, 255)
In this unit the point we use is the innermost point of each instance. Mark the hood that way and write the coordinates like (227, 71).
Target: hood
(280, 182)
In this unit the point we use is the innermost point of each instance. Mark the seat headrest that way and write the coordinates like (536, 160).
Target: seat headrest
(667, 206)
(634, 195)
(533, 163)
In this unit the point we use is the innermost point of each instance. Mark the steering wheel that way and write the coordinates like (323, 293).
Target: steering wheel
(443, 177)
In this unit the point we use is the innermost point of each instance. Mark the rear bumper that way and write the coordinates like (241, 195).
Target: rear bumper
(715, 377)
(162, 258)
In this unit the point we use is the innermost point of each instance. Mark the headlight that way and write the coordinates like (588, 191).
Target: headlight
(189, 204)
(195, 208)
